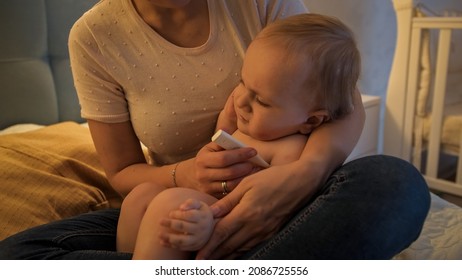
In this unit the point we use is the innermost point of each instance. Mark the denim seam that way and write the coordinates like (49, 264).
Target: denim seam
(61, 238)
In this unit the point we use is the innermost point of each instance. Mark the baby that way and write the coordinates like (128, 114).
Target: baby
(297, 74)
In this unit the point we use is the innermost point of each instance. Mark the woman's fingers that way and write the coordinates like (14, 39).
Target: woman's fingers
(213, 166)
(226, 227)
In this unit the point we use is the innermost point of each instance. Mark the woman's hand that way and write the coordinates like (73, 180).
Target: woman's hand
(227, 120)
(213, 165)
(256, 209)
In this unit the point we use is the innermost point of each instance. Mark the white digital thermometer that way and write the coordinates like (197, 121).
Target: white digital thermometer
(228, 142)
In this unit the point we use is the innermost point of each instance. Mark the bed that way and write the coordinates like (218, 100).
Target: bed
(48, 165)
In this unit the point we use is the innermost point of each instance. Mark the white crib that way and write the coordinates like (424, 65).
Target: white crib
(423, 119)
(423, 101)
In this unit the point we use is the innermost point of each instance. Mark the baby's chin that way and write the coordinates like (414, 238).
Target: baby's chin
(257, 135)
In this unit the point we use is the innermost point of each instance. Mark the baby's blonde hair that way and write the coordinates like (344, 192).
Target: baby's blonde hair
(330, 48)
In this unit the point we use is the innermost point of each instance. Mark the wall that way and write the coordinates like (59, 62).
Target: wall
(374, 24)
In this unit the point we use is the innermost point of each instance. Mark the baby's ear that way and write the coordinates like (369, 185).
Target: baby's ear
(314, 120)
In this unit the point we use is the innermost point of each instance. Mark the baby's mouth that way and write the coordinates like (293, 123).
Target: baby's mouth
(242, 119)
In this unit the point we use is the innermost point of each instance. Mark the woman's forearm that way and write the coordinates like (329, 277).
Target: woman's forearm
(123, 160)
(126, 179)
(331, 143)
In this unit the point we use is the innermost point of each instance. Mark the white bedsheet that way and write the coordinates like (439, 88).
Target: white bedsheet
(441, 237)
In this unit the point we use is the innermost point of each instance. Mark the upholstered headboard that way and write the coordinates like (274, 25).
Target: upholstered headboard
(35, 79)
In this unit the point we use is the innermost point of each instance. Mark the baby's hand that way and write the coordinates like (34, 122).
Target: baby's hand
(189, 227)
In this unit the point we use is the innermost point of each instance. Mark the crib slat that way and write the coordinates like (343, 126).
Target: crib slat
(411, 97)
(438, 101)
(438, 22)
(444, 186)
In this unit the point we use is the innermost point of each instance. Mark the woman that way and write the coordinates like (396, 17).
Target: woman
(159, 72)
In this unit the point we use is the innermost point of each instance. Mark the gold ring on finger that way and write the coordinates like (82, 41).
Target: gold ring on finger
(224, 185)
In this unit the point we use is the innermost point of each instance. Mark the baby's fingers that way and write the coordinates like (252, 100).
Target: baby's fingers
(191, 216)
(183, 242)
(190, 204)
(179, 226)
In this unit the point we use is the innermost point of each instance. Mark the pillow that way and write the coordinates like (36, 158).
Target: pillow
(49, 174)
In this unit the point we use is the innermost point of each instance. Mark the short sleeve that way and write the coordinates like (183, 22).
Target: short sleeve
(101, 97)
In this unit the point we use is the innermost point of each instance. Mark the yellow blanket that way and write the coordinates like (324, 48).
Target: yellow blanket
(49, 174)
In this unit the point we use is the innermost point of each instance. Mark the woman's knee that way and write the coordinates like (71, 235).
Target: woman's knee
(393, 181)
(388, 171)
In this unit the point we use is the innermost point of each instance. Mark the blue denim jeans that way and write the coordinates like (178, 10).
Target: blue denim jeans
(370, 208)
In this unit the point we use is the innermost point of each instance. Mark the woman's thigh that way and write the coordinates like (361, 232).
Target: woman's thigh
(370, 208)
(87, 236)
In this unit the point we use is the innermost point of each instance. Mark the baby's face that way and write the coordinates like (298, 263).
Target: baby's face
(272, 99)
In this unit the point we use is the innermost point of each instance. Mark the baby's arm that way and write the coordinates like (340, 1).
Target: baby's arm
(190, 226)
(288, 149)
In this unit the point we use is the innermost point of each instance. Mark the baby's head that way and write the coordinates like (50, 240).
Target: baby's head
(298, 73)
(327, 49)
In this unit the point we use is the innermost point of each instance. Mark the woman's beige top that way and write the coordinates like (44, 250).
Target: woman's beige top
(124, 71)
